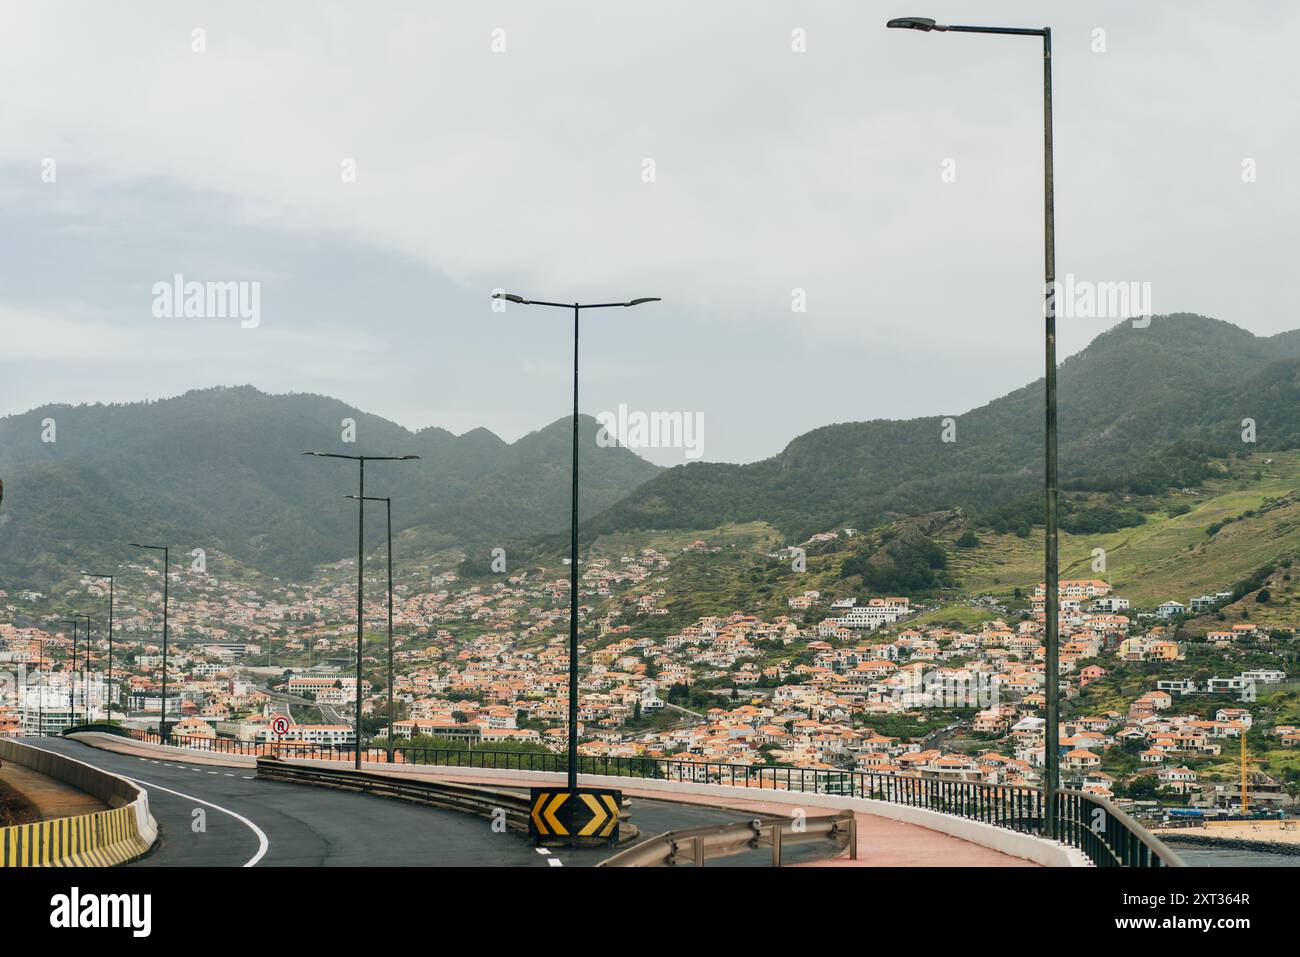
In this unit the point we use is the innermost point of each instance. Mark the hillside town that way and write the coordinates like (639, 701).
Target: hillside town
(836, 683)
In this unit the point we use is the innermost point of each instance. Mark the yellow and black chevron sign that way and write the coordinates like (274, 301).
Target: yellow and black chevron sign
(581, 816)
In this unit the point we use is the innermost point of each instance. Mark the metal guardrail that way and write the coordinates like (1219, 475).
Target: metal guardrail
(465, 798)
(700, 844)
(1104, 834)
(476, 799)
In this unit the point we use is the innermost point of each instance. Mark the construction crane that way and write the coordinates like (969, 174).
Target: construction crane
(1245, 801)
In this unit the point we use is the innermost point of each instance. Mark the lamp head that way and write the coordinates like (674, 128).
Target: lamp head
(924, 24)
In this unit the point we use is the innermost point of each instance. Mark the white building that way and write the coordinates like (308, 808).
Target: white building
(1110, 603)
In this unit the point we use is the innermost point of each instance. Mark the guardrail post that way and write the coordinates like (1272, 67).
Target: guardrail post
(776, 845)
(699, 850)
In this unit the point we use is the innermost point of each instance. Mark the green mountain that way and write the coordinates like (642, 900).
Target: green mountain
(1139, 407)
(221, 469)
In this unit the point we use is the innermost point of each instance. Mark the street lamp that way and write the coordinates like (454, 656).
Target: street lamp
(577, 308)
(72, 670)
(388, 508)
(85, 662)
(361, 461)
(1051, 749)
(40, 690)
(163, 734)
(109, 685)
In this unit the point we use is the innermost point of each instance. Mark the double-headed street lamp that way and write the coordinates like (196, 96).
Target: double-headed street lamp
(109, 685)
(577, 308)
(85, 662)
(1051, 749)
(163, 734)
(40, 690)
(388, 509)
(361, 461)
(72, 670)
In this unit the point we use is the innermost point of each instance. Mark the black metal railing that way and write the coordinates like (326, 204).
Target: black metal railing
(1104, 834)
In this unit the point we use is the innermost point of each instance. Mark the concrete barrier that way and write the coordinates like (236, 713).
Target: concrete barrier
(101, 839)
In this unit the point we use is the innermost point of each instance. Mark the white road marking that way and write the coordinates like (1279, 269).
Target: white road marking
(555, 862)
(263, 845)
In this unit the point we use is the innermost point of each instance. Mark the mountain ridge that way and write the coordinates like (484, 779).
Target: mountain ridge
(1129, 394)
(222, 468)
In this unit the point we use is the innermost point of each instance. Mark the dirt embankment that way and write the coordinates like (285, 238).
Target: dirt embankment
(14, 807)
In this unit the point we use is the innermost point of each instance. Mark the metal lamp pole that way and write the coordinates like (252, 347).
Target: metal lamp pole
(109, 685)
(85, 664)
(361, 461)
(1051, 749)
(388, 508)
(577, 308)
(40, 692)
(163, 734)
(72, 670)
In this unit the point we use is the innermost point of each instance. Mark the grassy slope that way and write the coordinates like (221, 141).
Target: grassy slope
(1167, 557)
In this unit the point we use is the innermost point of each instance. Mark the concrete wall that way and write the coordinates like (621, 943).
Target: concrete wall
(101, 839)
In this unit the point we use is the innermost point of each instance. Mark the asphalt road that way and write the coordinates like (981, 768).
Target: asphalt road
(273, 823)
(247, 822)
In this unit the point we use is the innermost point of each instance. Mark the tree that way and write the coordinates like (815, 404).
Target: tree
(1143, 788)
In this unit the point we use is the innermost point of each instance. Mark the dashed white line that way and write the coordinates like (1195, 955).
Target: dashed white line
(550, 859)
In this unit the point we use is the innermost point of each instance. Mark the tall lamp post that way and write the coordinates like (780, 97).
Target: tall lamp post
(1051, 749)
(109, 685)
(361, 461)
(72, 671)
(577, 308)
(40, 689)
(163, 735)
(85, 665)
(388, 509)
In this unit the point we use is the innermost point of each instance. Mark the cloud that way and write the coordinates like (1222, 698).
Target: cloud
(773, 170)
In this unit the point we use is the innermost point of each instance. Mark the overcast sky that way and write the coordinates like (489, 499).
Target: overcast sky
(528, 168)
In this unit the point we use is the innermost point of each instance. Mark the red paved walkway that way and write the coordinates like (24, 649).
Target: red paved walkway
(882, 842)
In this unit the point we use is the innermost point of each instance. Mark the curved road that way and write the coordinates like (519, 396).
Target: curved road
(268, 823)
(247, 822)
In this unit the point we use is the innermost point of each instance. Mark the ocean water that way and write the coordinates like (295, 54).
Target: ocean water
(1233, 857)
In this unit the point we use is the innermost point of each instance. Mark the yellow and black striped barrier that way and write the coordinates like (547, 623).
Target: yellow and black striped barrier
(588, 816)
(101, 839)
